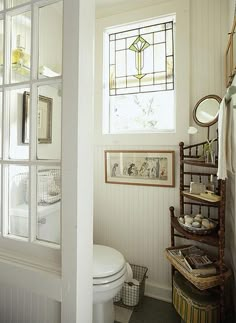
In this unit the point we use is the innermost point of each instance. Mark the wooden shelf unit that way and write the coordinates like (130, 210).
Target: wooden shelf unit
(192, 168)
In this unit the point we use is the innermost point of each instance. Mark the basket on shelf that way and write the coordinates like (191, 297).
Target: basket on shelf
(132, 293)
(199, 231)
(200, 282)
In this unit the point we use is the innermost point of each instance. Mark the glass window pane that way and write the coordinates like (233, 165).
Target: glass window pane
(1, 4)
(49, 204)
(0, 125)
(1, 50)
(49, 122)
(14, 3)
(18, 108)
(20, 47)
(50, 40)
(18, 180)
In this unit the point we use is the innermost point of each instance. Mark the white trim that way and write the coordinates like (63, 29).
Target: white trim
(157, 291)
(77, 159)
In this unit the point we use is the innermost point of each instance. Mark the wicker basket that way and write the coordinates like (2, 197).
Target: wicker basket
(199, 231)
(200, 282)
(131, 295)
(192, 305)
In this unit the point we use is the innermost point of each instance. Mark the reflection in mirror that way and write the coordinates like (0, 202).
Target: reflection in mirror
(18, 213)
(49, 122)
(50, 40)
(206, 110)
(49, 204)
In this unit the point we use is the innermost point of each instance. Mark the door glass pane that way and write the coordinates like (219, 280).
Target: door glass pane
(18, 107)
(49, 122)
(18, 180)
(1, 50)
(49, 204)
(14, 3)
(20, 47)
(0, 125)
(1, 4)
(50, 40)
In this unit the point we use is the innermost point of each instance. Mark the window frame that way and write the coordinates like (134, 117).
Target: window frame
(182, 85)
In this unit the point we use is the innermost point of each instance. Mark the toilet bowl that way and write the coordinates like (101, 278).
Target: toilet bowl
(109, 274)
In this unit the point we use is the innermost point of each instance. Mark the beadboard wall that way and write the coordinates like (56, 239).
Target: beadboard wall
(135, 219)
(21, 305)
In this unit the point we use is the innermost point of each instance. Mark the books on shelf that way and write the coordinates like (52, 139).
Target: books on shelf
(195, 260)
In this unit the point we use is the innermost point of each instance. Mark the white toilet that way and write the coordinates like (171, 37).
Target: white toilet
(109, 274)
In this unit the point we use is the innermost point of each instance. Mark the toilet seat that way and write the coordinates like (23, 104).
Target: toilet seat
(108, 265)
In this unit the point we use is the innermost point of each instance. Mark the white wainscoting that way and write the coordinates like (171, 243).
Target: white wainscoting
(23, 306)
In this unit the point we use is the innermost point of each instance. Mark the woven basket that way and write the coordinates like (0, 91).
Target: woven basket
(201, 283)
(198, 231)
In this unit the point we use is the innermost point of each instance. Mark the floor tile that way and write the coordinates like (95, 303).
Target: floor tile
(122, 315)
(154, 311)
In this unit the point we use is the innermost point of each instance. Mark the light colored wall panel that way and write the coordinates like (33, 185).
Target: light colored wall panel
(21, 305)
(135, 219)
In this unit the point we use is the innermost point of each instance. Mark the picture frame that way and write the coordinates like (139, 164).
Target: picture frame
(140, 167)
(44, 119)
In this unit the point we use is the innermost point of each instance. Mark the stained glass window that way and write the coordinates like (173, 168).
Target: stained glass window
(139, 77)
(142, 59)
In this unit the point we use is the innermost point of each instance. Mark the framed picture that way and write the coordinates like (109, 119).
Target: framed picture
(44, 120)
(144, 167)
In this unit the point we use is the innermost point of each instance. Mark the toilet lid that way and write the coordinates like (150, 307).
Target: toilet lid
(106, 261)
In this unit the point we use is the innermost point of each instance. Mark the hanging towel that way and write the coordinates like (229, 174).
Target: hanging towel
(224, 132)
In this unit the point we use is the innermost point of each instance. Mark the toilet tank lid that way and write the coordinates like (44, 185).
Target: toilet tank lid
(106, 261)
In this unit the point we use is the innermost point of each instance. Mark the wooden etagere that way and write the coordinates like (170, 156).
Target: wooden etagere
(193, 168)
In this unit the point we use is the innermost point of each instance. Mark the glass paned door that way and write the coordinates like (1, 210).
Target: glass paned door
(30, 103)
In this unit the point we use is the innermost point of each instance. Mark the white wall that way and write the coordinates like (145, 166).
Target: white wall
(135, 219)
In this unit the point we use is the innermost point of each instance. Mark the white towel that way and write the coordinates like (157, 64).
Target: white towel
(224, 133)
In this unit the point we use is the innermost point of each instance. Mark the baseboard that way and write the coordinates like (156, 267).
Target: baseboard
(157, 291)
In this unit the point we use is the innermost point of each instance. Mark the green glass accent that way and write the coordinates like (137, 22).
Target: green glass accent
(138, 46)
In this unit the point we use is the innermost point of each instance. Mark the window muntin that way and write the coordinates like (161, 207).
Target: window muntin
(139, 86)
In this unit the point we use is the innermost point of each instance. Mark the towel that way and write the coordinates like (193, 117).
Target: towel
(224, 132)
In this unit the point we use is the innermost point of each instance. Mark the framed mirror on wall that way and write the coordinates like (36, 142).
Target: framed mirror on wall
(230, 56)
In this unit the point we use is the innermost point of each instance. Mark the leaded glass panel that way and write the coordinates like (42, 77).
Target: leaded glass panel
(141, 58)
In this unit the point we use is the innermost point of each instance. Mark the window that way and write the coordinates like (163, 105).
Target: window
(30, 115)
(139, 91)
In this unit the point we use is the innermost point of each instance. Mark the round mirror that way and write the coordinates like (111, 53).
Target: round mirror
(205, 112)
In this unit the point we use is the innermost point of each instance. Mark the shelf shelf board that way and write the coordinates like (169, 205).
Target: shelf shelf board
(199, 198)
(211, 239)
(197, 162)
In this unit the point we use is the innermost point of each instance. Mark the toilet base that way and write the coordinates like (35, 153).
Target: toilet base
(104, 313)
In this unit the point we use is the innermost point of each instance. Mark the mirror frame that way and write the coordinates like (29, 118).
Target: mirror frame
(207, 124)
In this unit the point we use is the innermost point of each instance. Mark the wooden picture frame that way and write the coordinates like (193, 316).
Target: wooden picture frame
(44, 120)
(140, 167)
